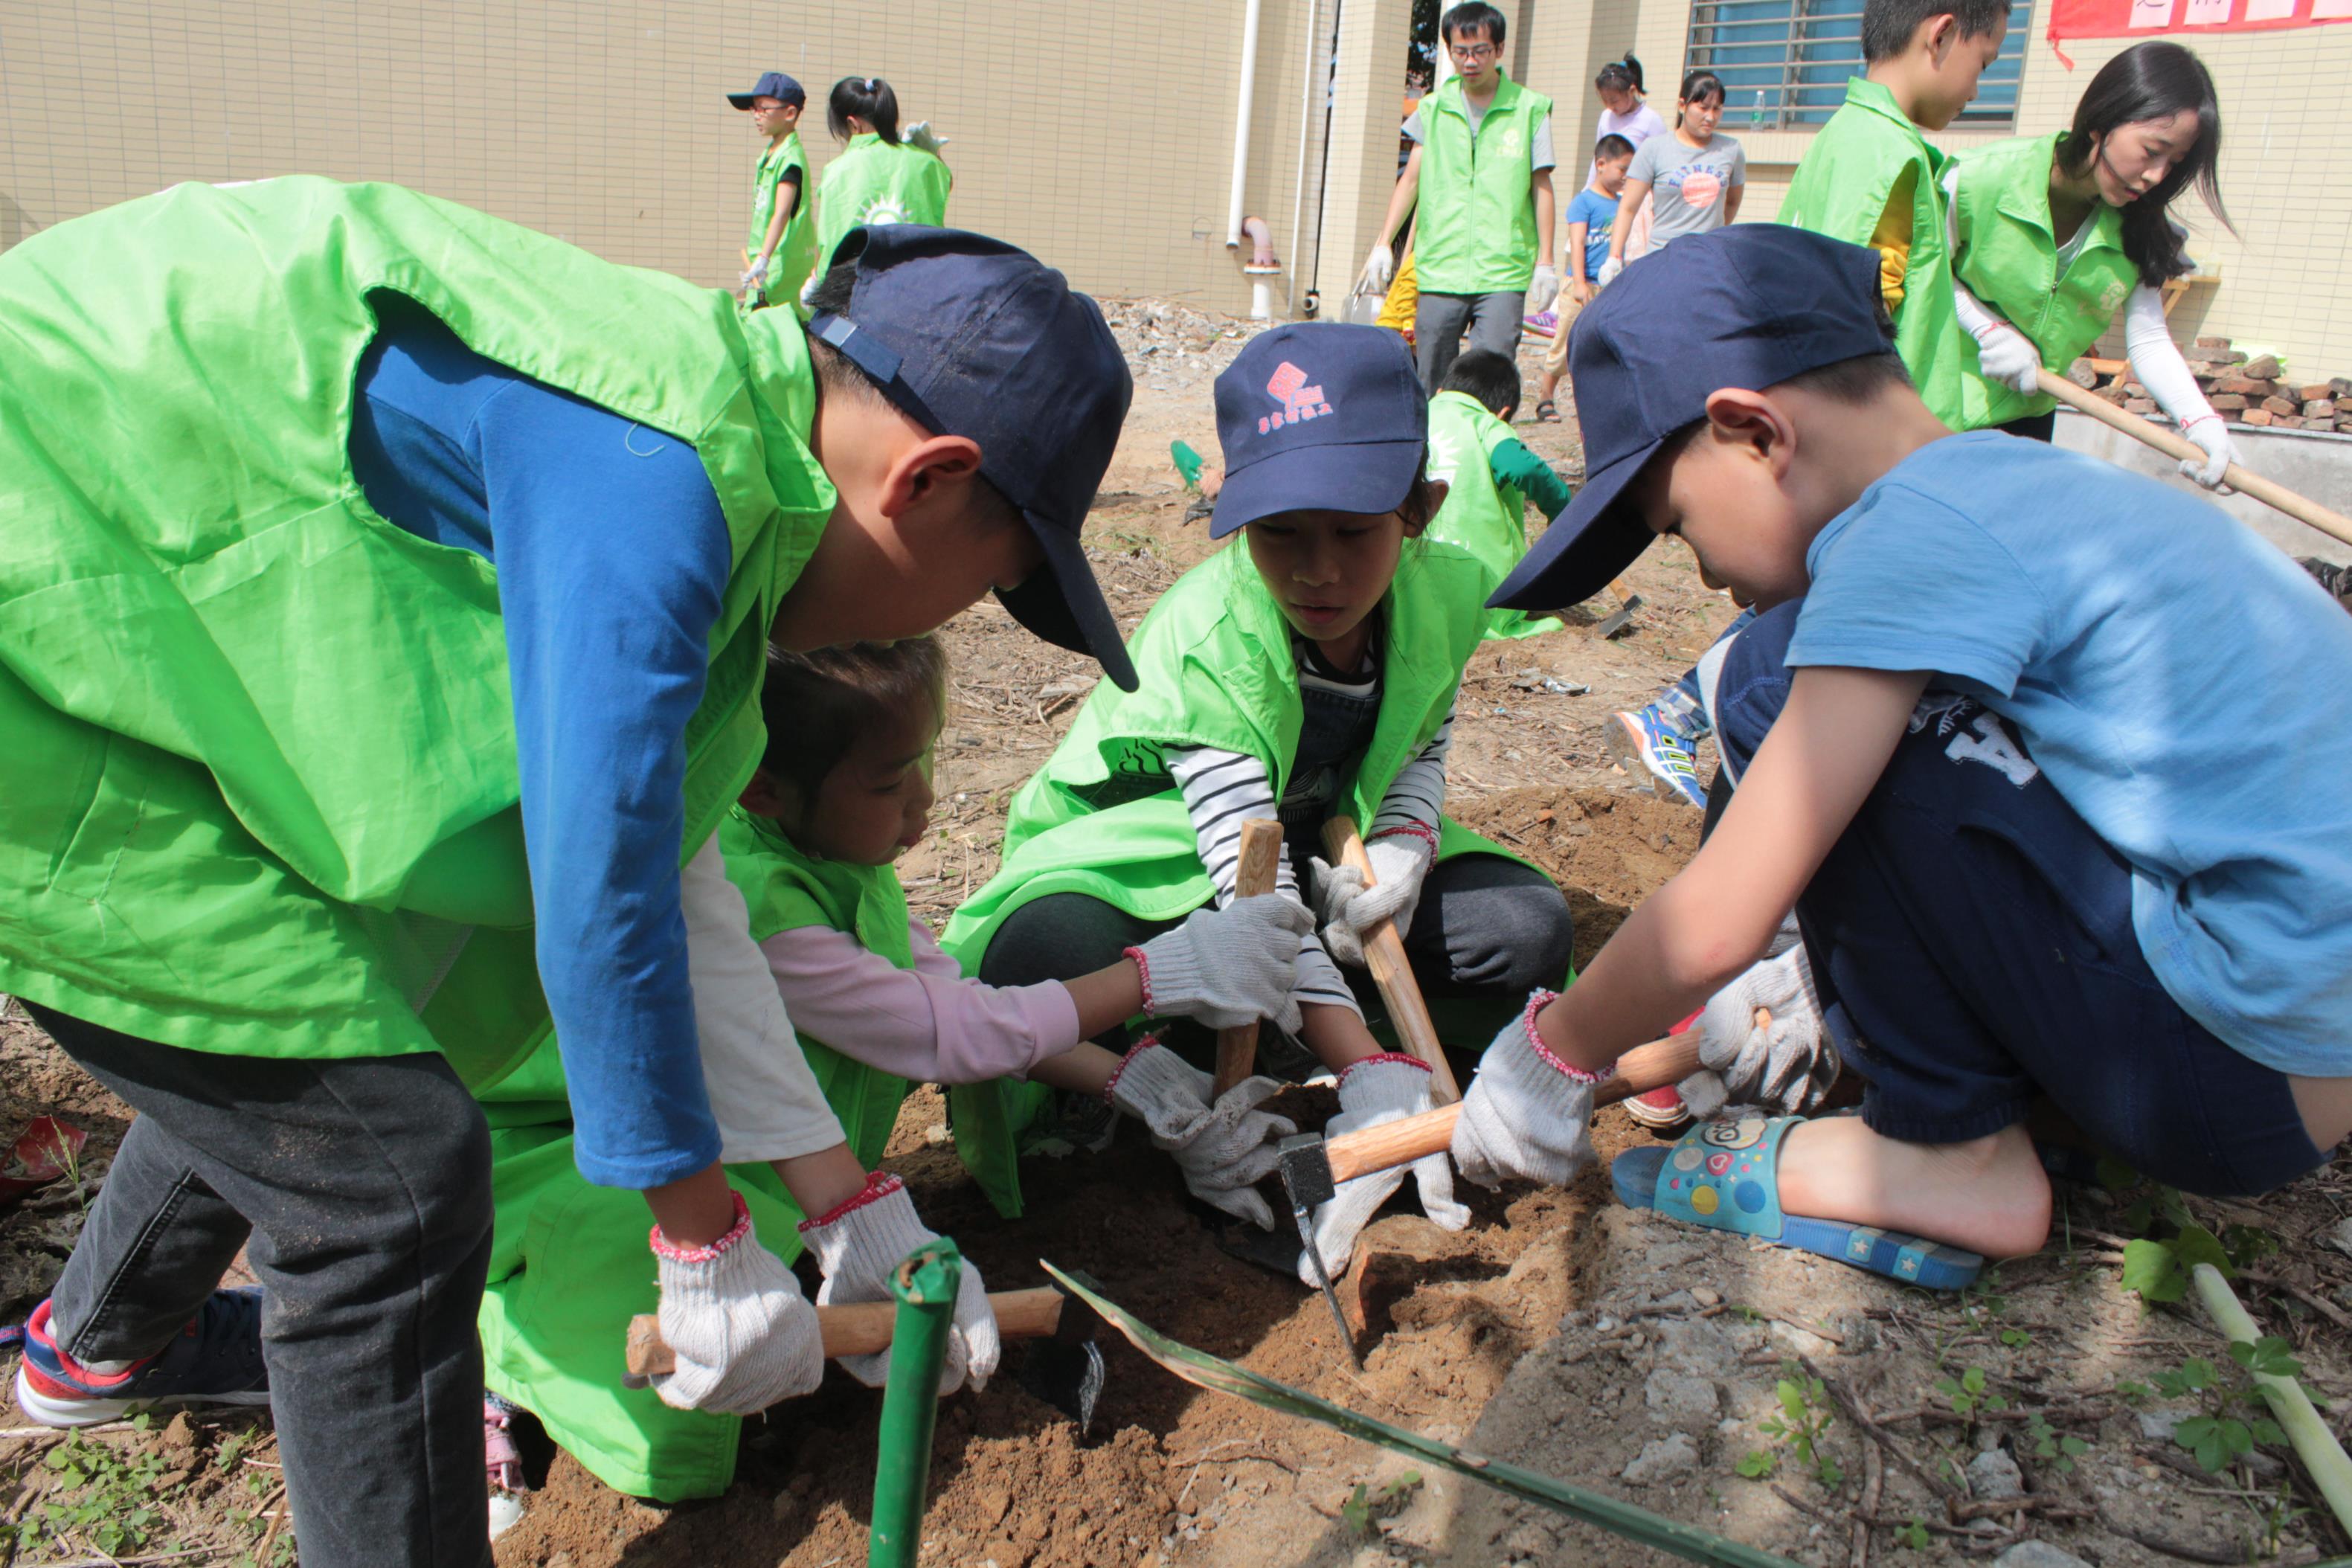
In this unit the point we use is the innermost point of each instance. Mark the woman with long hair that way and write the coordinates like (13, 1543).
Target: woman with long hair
(2051, 235)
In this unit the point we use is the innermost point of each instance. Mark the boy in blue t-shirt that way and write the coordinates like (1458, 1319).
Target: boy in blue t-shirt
(2042, 838)
(1591, 217)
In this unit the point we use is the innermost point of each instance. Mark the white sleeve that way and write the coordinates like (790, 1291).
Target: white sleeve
(762, 1095)
(1417, 793)
(1975, 320)
(1221, 791)
(2156, 361)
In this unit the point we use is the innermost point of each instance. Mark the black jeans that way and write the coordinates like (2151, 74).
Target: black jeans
(1486, 929)
(1973, 942)
(361, 1190)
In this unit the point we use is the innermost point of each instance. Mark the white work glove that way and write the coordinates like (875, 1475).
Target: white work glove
(1528, 1115)
(921, 134)
(1373, 1091)
(755, 274)
(861, 1244)
(1228, 967)
(744, 1336)
(1542, 289)
(2008, 356)
(1378, 268)
(1351, 908)
(2212, 437)
(1786, 1067)
(1224, 1149)
(1609, 270)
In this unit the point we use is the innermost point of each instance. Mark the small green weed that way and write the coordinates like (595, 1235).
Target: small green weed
(2058, 1450)
(2234, 1418)
(1364, 1509)
(1804, 1419)
(1912, 1536)
(98, 1496)
(1966, 1393)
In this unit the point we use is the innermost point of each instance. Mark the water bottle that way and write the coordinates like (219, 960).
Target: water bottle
(1756, 115)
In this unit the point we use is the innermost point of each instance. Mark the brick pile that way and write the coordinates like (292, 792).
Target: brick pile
(2244, 391)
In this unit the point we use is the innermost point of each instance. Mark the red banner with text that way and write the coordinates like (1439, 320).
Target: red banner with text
(2147, 18)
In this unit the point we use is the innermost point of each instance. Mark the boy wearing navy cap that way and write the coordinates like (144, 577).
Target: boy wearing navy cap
(2040, 842)
(1309, 673)
(553, 513)
(781, 247)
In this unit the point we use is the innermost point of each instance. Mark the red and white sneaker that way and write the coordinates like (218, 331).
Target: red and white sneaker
(216, 1360)
(1660, 1110)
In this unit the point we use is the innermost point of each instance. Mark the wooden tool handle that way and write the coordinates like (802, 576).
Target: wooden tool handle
(1260, 860)
(1392, 972)
(860, 1329)
(1657, 1065)
(2267, 491)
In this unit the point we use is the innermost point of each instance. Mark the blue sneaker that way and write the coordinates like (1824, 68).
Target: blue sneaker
(1657, 755)
(216, 1360)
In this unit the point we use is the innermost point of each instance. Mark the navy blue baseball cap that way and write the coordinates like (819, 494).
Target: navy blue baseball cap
(1749, 306)
(1319, 415)
(771, 84)
(970, 336)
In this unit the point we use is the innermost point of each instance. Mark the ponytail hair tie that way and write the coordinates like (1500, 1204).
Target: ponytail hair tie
(869, 84)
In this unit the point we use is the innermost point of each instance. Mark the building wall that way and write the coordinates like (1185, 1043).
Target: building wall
(1100, 137)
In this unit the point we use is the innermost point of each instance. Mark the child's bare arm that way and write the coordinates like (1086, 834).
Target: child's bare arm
(1824, 754)
(1085, 1068)
(1629, 202)
(1336, 1036)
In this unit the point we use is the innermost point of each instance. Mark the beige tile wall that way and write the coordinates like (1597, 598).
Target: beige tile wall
(1099, 136)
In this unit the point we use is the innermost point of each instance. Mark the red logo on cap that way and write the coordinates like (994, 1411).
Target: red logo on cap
(1300, 401)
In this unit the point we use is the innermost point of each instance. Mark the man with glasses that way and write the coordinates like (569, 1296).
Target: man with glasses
(1481, 169)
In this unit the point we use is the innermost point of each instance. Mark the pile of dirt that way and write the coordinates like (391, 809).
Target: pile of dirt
(1608, 849)
(1175, 348)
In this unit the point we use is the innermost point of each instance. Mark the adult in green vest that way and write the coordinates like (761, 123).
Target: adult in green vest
(1871, 178)
(2051, 234)
(1309, 675)
(844, 790)
(1481, 171)
(879, 176)
(386, 598)
(780, 249)
(1490, 477)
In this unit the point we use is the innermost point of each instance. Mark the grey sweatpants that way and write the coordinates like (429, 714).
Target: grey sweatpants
(1494, 320)
(360, 1189)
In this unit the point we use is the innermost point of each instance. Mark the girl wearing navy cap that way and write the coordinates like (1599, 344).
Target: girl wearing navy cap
(1309, 674)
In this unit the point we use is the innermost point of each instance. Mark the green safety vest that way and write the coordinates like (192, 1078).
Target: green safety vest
(1487, 519)
(796, 252)
(568, 1262)
(2008, 260)
(1841, 189)
(1477, 232)
(260, 794)
(1214, 665)
(877, 182)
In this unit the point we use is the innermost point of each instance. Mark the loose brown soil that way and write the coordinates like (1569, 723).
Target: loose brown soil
(1559, 1330)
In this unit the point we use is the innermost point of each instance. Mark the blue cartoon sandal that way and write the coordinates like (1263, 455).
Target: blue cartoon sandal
(1725, 1175)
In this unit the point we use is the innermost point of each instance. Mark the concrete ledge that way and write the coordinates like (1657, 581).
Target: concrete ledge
(2309, 463)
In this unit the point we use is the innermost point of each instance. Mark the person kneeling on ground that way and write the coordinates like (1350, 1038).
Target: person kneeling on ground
(1310, 674)
(2040, 841)
(1490, 476)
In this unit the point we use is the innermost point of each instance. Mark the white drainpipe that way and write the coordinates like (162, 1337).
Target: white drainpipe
(1299, 176)
(1233, 214)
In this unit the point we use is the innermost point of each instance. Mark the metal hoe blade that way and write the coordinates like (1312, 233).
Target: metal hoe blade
(1307, 1181)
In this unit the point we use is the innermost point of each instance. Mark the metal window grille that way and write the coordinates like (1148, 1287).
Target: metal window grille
(1785, 63)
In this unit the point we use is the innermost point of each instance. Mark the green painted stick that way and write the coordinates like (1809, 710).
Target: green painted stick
(2321, 1453)
(1205, 1370)
(925, 1285)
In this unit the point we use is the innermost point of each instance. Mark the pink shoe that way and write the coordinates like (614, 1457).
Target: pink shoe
(1660, 1110)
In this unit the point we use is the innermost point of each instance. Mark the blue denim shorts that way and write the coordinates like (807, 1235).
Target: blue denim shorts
(1972, 941)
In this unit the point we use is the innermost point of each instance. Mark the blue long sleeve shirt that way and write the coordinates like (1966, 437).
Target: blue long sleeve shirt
(612, 556)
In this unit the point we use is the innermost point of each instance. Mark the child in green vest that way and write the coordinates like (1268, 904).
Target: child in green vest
(780, 249)
(1478, 182)
(879, 177)
(1490, 476)
(1870, 178)
(844, 790)
(2049, 235)
(422, 447)
(2044, 860)
(1309, 673)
